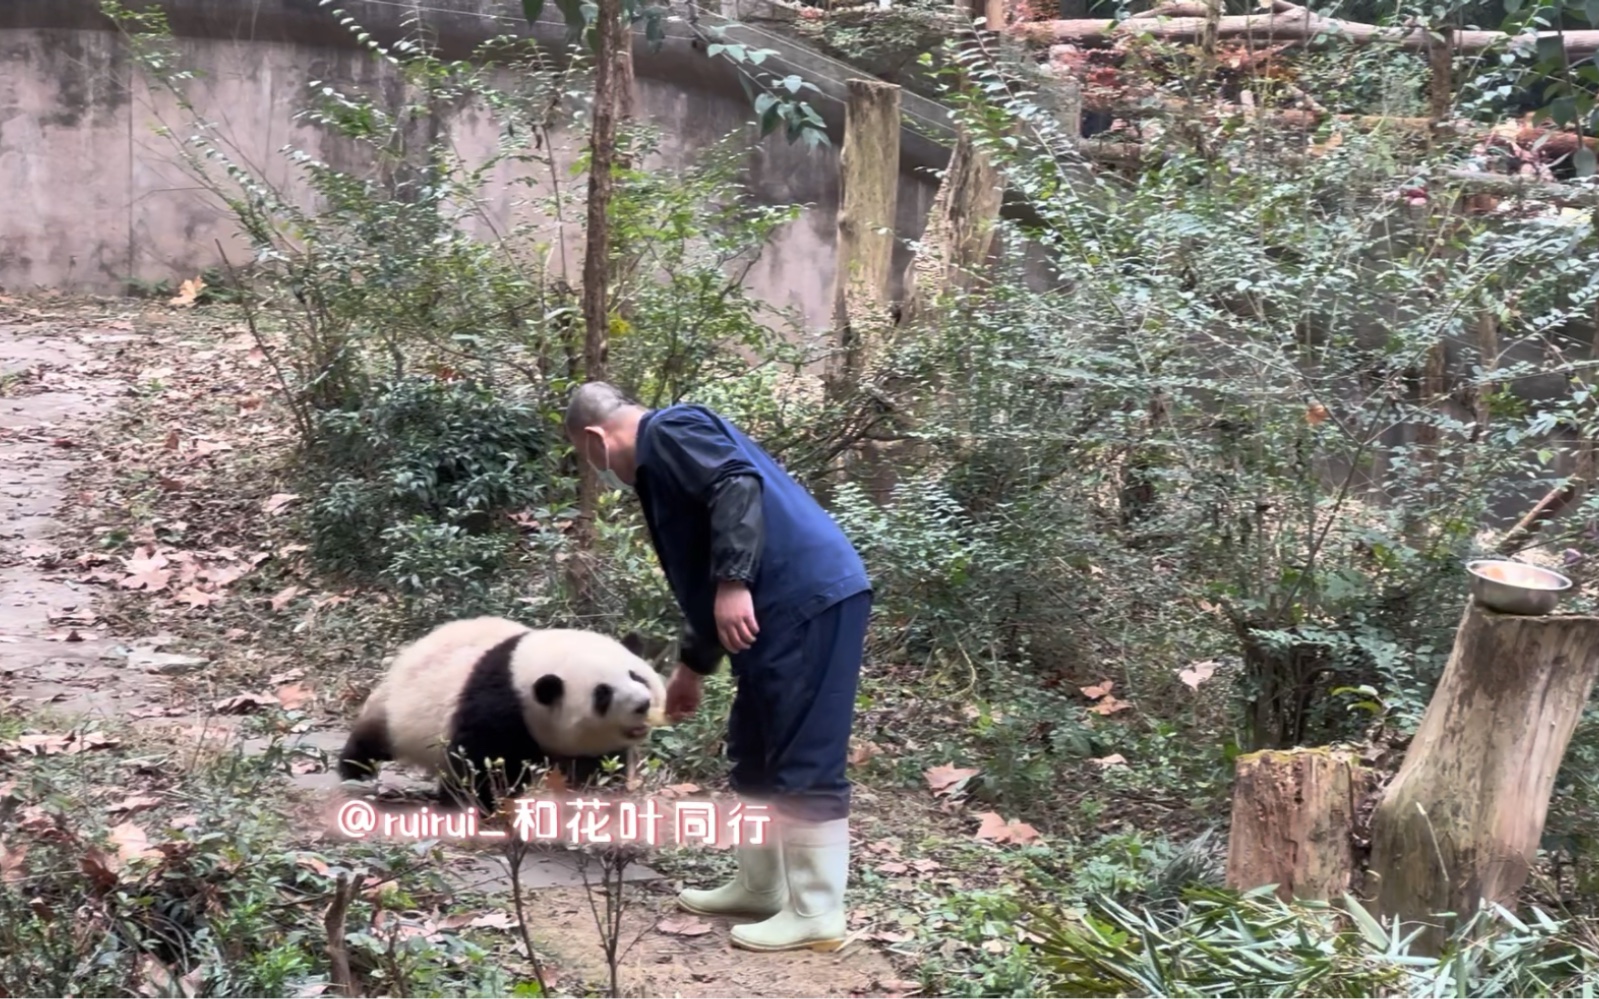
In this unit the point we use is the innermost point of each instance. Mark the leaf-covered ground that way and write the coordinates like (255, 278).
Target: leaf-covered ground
(159, 586)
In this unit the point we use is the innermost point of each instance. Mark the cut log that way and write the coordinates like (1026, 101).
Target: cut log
(1295, 24)
(1461, 821)
(1293, 823)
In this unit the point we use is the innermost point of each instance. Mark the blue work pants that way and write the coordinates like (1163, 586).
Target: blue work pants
(789, 729)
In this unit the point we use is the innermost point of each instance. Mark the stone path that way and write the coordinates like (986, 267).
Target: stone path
(95, 675)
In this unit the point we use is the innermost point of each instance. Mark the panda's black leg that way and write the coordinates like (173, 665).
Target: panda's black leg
(367, 747)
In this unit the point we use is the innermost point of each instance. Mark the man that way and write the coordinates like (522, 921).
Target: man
(760, 572)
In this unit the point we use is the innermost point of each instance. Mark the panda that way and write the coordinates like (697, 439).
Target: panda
(487, 688)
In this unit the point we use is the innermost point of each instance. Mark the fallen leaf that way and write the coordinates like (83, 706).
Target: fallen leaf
(69, 744)
(889, 936)
(160, 981)
(894, 867)
(1198, 673)
(994, 827)
(943, 779)
(1099, 690)
(863, 752)
(188, 292)
(134, 803)
(1113, 760)
(220, 576)
(12, 867)
(900, 986)
(43, 745)
(283, 597)
(132, 842)
(287, 676)
(277, 501)
(146, 570)
(292, 696)
(687, 926)
(1110, 706)
(151, 580)
(197, 598)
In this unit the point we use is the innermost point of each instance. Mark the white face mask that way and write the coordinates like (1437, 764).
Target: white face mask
(610, 478)
(612, 482)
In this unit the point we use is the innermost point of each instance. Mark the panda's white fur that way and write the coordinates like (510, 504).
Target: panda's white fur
(488, 687)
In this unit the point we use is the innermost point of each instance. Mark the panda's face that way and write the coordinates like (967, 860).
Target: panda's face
(602, 714)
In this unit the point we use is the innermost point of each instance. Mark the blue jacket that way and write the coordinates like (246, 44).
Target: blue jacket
(719, 507)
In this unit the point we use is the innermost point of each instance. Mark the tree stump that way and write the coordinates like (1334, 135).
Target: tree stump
(1293, 823)
(1461, 822)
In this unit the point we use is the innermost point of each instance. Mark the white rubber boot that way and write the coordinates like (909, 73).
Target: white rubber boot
(816, 867)
(756, 890)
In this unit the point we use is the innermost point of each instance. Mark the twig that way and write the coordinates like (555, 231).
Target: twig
(300, 418)
(333, 924)
(516, 850)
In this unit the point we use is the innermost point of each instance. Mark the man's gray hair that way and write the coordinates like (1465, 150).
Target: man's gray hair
(592, 404)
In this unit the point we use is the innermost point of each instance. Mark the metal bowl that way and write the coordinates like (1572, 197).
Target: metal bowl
(1515, 587)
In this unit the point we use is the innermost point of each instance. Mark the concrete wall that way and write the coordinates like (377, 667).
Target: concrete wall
(94, 195)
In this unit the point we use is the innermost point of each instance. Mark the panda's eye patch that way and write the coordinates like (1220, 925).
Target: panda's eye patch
(636, 678)
(603, 695)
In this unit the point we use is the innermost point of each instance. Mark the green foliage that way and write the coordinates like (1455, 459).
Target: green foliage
(207, 893)
(430, 470)
(1223, 943)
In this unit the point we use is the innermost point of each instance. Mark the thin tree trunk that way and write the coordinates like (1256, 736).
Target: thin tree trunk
(596, 274)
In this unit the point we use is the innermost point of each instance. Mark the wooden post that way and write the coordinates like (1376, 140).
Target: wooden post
(868, 202)
(1463, 817)
(1293, 823)
(868, 183)
(959, 231)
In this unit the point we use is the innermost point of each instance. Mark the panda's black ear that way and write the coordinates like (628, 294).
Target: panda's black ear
(634, 643)
(548, 689)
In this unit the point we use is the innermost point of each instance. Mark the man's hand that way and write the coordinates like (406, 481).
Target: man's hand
(682, 693)
(735, 616)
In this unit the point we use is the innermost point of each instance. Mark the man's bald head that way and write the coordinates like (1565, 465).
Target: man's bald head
(602, 423)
